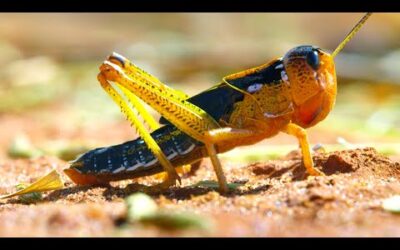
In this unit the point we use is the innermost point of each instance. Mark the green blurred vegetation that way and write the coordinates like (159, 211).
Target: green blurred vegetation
(52, 59)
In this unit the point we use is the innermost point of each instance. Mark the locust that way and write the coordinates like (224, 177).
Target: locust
(288, 94)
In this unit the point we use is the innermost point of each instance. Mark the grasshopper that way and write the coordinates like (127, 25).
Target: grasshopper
(288, 94)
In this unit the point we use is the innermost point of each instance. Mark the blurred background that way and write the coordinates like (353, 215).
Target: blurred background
(52, 104)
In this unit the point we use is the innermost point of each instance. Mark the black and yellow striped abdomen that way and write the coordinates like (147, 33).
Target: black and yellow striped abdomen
(133, 158)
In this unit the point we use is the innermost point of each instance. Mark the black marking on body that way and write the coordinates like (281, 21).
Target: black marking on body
(219, 101)
(270, 75)
(216, 101)
(134, 156)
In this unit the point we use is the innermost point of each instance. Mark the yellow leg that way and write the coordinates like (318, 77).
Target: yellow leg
(151, 143)
(140, 75)
(180, 170)
(300, 133)
(212, 153)
(148, 118)
(153, 124)
(219, 135)
(171, 104)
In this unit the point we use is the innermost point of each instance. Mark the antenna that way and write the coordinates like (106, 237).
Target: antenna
(351, 34)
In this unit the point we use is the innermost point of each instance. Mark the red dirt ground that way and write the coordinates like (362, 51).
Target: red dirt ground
(277, 199)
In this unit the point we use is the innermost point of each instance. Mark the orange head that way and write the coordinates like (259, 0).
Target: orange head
(312, 77)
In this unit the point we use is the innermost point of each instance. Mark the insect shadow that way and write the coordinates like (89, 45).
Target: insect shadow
(112, 192)
(63, 193)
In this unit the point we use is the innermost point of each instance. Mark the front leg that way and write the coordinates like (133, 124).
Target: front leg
(301, 135)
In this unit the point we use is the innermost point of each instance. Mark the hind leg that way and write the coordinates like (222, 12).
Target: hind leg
(145, 135)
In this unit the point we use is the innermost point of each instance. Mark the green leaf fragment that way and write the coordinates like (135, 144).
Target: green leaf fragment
(140, 205)
(71, 152)
(142, 208)
(175, 220)
(21, 147)
(392, 204)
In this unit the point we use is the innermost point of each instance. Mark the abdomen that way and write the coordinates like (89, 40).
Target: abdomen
(133, 159)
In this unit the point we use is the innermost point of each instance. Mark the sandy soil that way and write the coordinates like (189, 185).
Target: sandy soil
(277, 199)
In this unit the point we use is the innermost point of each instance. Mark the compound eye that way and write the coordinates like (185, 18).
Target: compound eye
(313, 59)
